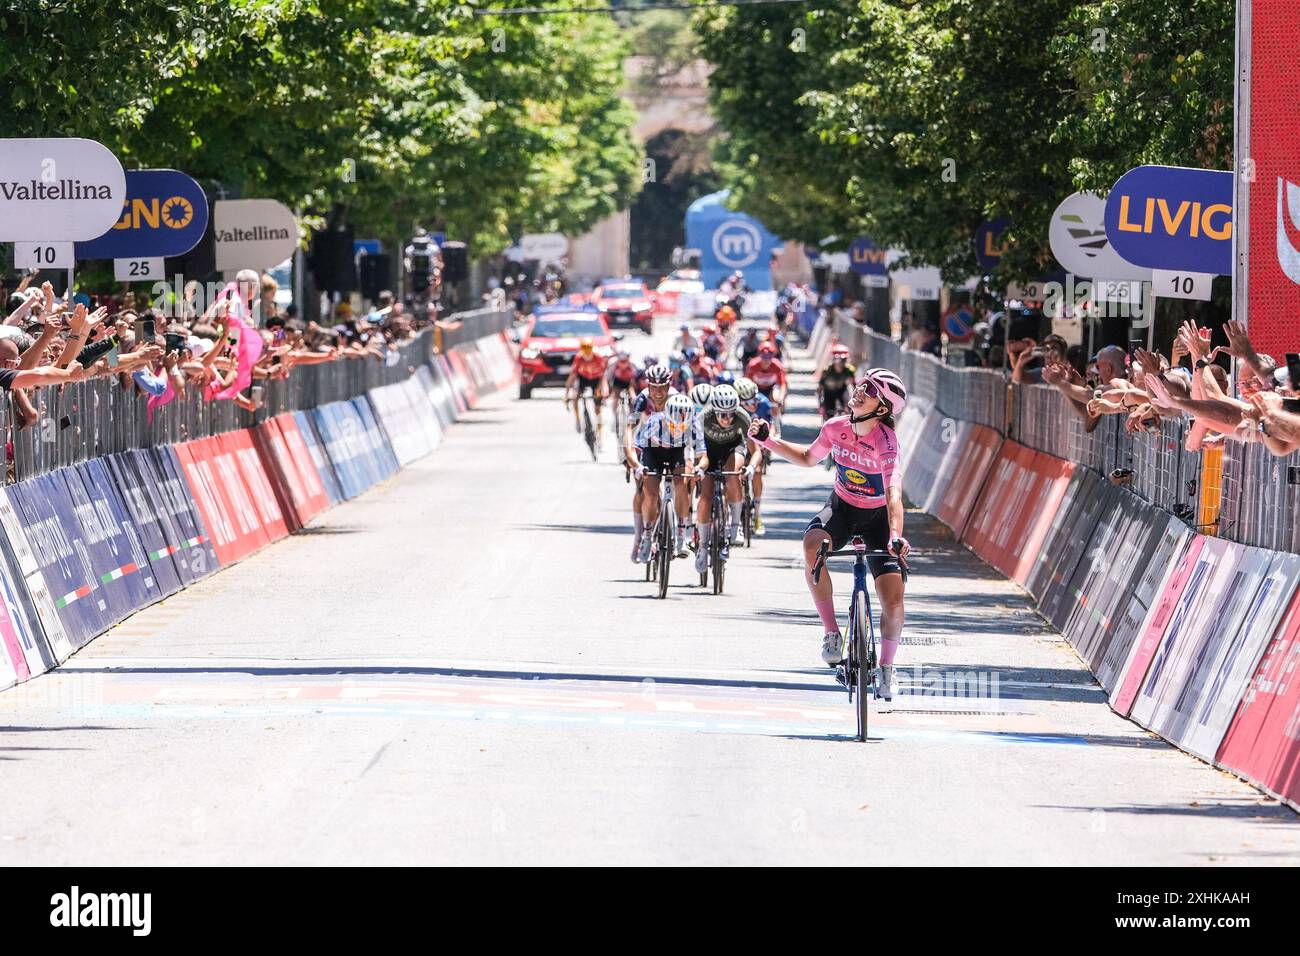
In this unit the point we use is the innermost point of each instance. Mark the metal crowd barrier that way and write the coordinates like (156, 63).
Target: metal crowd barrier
(1261, 497)
(86, 420)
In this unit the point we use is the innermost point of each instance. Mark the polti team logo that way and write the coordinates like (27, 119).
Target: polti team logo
(1288, 257)
(737, 243)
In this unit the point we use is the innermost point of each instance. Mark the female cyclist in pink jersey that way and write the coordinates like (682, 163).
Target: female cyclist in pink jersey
(867, 500)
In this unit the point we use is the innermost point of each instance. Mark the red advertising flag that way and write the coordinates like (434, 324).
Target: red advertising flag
(1268, 167)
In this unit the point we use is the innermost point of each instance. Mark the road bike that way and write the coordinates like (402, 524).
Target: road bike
(859, 671)
(718, 543)
(747, 511)
(664, 546)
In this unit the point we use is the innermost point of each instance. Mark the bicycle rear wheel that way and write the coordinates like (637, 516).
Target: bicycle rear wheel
(719, 540)
(864, 666)
(747, 517)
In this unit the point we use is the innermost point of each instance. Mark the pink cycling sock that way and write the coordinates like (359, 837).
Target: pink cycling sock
(888, 649)
(826, 611)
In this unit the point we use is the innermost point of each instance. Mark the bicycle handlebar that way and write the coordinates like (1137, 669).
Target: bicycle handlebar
(825, 552)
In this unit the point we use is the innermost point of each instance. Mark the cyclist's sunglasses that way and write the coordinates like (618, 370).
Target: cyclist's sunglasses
(868, 387)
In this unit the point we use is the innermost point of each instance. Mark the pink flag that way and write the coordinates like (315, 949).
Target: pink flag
(247, 352)
(158, 401)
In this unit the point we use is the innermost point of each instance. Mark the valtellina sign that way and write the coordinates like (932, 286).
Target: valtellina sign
(58, 190)
(252, 233)
(1173, 218)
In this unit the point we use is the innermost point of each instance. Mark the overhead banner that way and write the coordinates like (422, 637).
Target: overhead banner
(866, 258)
(58, 189)
(1267, 148)
(1174, 218)
(990, 247)
(253, 233)
(1077, 236)
(164, 214)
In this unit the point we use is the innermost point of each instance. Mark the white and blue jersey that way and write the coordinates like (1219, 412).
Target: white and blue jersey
(656, 431)
(762, 409)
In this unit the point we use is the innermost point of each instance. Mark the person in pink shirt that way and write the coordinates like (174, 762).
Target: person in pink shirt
(867, 500)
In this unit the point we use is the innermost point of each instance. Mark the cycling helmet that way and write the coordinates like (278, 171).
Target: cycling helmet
(700, 394)
(675, 360)
(679, 410)
(622, 355)
(725, 399)
(658, 375)
(710, 330)
(691, 354)
(586, 345)
(840, 351)
(889, 388)
(684, 327)
(650, 360)
(746, 390)
(724, 378)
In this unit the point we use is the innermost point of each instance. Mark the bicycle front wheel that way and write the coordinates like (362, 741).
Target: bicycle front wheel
(666, 548)
(864, 666)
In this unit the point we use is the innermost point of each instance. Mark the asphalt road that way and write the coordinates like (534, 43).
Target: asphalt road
(463, 666)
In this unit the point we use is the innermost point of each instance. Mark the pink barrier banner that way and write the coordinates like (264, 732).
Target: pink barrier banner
(1153, 628)
(1263, 742)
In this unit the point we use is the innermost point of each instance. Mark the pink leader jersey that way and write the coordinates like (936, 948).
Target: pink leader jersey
(865, 465)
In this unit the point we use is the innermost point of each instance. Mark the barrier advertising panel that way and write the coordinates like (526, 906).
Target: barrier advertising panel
(40, 633)
(194, 552)
(973, 462)
(1263, 741)
(306, 433)
(1148, 583)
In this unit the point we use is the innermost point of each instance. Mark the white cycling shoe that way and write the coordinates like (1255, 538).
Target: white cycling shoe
(643, 552)
(701, 560)
(636, 550)
(888, 682)
(832, 648)
(683, 535)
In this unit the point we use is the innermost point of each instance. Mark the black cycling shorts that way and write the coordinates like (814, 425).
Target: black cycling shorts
(663, 459)
(594, 384)
(843, 521)
(720, 455)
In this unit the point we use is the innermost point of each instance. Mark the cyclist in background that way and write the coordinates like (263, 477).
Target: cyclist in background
(588, 372)
(649, 362)
(747, 348)
(726, 318)
(703, 369)
(622, 376)
(660, 444)
(720, 436)
(682, 379)
(685, 340)
(700, 395)
(713, 343)
(649, 401)
(867, 500)
(755, 403)
(833, 385)
(769, 375)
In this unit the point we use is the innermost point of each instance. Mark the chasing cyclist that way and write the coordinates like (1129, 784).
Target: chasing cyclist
(720, 436)
(833, 385)
(867, 500)
(660, 446)
(757, 406)
(622, 376)
(767, 372)
(588, 373)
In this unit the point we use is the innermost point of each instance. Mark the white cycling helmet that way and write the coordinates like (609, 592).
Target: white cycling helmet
(679, 410)
(700, 394)
(658, 375)
(746, 389)
(725, 399)
(888, 388)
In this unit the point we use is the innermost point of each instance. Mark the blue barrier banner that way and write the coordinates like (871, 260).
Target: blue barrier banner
(381, 449)
(435, 386)
(148, 519)
(315, 447)
(44, 640)
(61, 552)
(117, 556)
(195, 555)
(339, 442)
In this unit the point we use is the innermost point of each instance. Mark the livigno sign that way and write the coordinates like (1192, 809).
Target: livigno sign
(58, 189)
(165, 214)
(252, 233)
